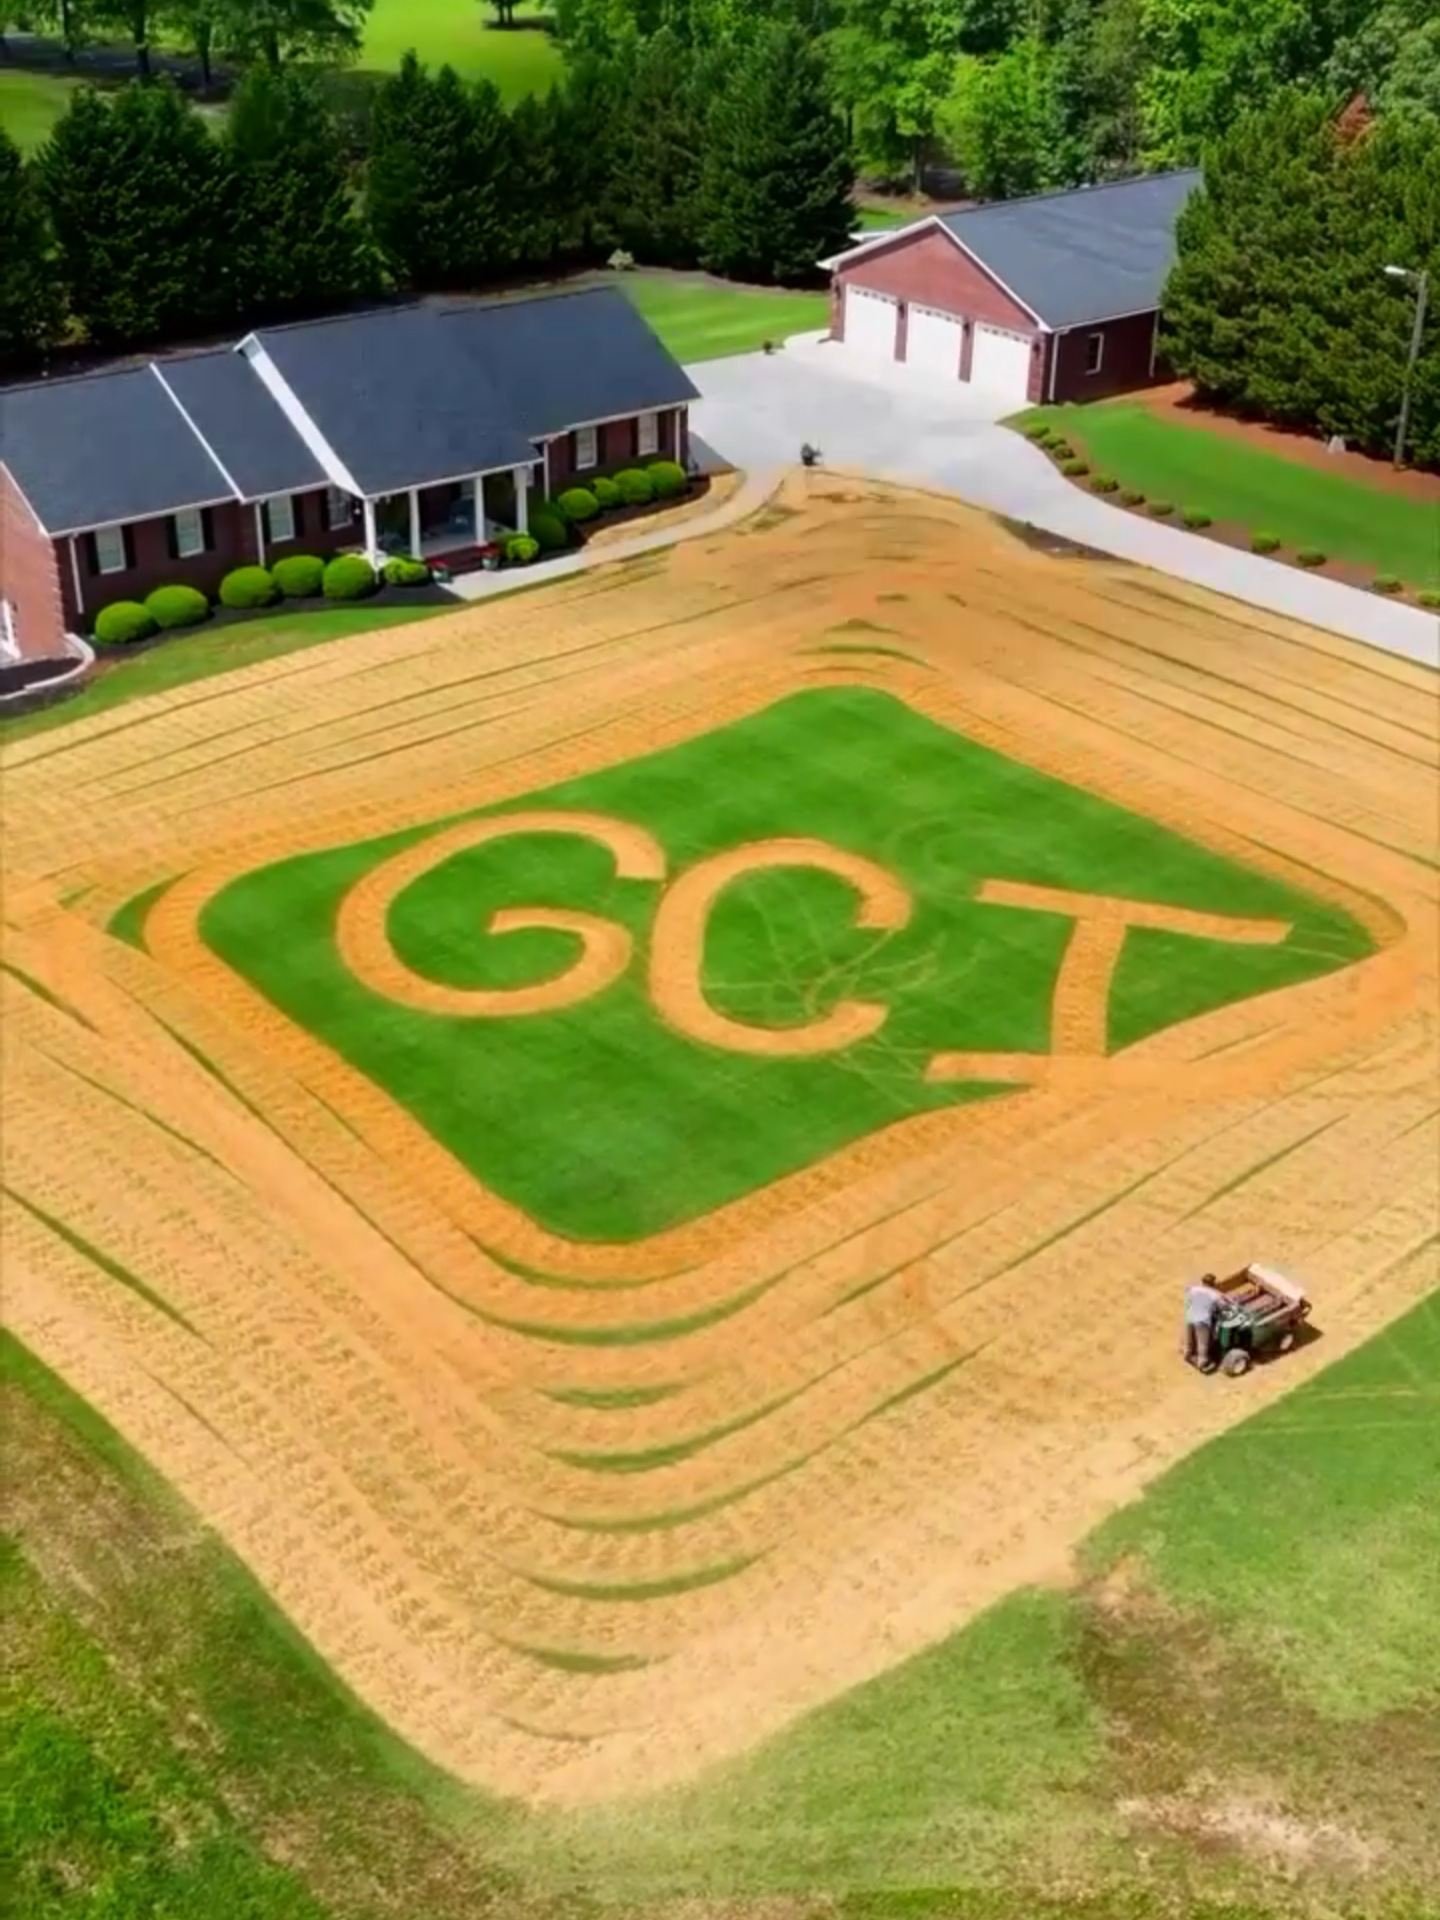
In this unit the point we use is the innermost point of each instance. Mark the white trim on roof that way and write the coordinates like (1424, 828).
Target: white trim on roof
(140, 519)
(450, 480)
(214, 457)
(606, 420)
(884, 238)
(1108, 319)
(251, 348)
(844, 259)
(25, 499)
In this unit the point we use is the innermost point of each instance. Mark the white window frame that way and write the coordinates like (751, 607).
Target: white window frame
(110, 554)
(274, 535)
(587, 448)
(339, 509)
(647, 434)
(1094, 344)
(188, 525)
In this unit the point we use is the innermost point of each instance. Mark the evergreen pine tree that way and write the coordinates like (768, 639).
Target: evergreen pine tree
(135, 189)
(774, 195)
(658, 146)
(32, 300)
(585, 112)
(299, 247)
(535, 221)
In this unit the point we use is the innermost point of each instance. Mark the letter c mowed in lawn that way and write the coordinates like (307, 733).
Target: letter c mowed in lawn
(696, 1062)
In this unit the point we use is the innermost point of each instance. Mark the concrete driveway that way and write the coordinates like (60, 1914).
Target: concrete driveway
(757, 409)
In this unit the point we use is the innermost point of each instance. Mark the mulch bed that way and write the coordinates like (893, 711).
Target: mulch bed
(622, 516)
(225, 619)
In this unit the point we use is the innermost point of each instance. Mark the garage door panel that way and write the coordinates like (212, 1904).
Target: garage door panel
(1000, 363)
(870, 323)
(933, 341)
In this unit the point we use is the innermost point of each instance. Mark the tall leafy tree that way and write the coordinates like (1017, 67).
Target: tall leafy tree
(275, 31)
(135, 189)
(774, 192)
(998, 123)
(891, 63)
(32, 300)
(298, 244)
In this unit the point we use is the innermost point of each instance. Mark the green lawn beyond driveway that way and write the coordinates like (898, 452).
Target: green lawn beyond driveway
(1381, 531)
(702, 320)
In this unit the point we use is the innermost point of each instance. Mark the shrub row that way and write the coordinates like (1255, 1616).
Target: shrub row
(301, 576)
(553, 522)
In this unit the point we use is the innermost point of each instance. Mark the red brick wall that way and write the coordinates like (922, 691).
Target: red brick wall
(929, 268)
(1124, 365)
(616, 444)
(29, 577)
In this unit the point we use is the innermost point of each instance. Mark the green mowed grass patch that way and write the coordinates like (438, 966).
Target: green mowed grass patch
(703, 320)
(604, 1124)
(520, 60)
(1216, 474)
(30, 105)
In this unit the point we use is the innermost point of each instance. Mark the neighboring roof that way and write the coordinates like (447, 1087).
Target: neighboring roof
(234, 414)
(571, 358)
(103, 448)
(397, 399)
(1074, 258)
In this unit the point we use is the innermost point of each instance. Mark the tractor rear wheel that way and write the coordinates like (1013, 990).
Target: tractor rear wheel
(1236, 1362)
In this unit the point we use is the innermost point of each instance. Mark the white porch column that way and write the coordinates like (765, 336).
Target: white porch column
(415, 522)
(482, 523)
(522, 499)
(372, 546)
(260, 533)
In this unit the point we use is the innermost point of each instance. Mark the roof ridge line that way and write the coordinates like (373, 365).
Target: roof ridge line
(1068, 193)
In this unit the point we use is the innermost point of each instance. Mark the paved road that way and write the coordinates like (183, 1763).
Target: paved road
(757, 409)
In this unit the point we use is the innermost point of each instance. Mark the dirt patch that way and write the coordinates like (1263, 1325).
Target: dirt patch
(1042, 540)
(881, 1408)
(1178, 402)
(707, 493)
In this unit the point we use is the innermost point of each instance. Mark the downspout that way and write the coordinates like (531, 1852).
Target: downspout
(75, 579)
(1055, 340)
(260, 532)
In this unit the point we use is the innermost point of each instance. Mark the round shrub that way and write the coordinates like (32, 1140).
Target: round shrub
(1076, 469)
(1102, 483)
(578, 504)
(1060, 449)
(249, 587)
(1312, 556)
(404, 572)
(349, 576)
(177, 606)
(1194, 519)
(1131, 497)
(668, 478)
(549, 530)
(1161, 509)
(636, 487)
(607, 494)
(123, 622)
(1264, 543)
(1037, 430)
(299, 576)
(1429, 596)
(1387, 583)
(521, 549)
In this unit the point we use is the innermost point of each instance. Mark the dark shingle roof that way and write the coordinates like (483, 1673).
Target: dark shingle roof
(570, 358)
(103, 448)
(397, 399)
(235, 415)
(1091, 254)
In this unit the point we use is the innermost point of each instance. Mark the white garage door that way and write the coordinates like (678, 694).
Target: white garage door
(870, 322)
(1000, 363)
(932, 342)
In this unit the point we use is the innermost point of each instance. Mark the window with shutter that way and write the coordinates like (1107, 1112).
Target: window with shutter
(280, 519)
(111, 551)
(649, 435)
(587, 453)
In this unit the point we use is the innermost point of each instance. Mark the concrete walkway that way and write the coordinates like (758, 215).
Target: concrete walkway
(878, 419)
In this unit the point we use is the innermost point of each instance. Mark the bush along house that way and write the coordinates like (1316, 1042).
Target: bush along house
(1051, 298)
(423, 430)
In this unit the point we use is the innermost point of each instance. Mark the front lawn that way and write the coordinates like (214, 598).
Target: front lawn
(704, 320)
(30, 105)
(1233, 483)
(522, 59)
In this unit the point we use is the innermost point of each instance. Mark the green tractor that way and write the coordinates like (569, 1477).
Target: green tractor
(1263, 1311)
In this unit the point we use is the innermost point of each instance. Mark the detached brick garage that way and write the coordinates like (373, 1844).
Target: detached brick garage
(1051, 298)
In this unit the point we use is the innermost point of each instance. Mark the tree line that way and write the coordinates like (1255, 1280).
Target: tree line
(137, 223)
(272, 31)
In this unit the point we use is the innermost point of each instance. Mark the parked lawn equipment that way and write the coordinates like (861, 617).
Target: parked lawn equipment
(1263, 1311)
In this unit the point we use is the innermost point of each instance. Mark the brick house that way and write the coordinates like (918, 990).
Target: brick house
(1051, 298)
(421, 429)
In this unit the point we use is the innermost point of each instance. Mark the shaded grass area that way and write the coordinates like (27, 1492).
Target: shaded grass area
(207, 651)
(30, 105)
(629, 1127)
(1264, 492)
(703, 320)
(519, 60)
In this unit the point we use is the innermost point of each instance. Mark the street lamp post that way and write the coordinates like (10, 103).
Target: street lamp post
(1419, 279)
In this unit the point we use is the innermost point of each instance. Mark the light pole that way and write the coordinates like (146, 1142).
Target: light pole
(1419, 279)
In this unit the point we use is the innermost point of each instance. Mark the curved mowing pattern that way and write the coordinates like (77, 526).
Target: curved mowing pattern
(599, 1395)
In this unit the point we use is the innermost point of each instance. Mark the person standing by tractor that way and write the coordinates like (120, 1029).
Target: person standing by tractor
(1202, 1304)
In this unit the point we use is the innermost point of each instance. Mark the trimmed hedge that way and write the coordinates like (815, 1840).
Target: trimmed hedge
(349, 576)
(177, 606)
(1076, 469)
(1387, 583)
(1312, 556)
(549, 530)
(668, 478)
(249, 587)
(405, 572)
(299, 576)
(637, 489)
(1194, 519)
(1102, 483)
(1131, 497)
(1264, 543)
(578, 504)
(521, 549)
(1037, 430)
(124, 622)
(1429, 596)
(1161, 509)
(1060, 449)
(606, 493)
